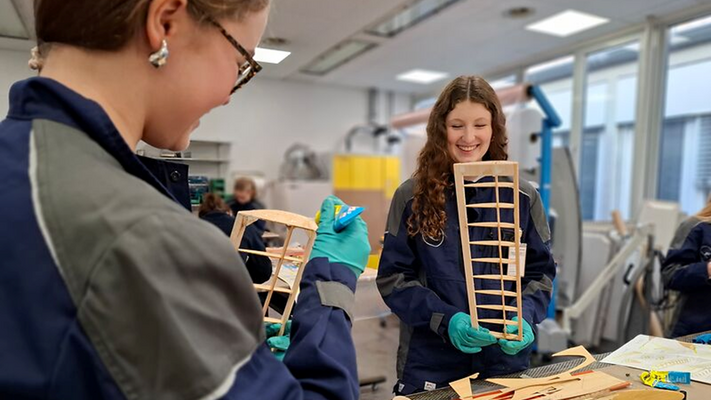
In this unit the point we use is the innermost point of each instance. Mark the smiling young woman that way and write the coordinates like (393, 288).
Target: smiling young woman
(420, 275)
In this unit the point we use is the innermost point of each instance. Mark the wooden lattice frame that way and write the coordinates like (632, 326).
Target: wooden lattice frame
(466, 175)
(292, 222)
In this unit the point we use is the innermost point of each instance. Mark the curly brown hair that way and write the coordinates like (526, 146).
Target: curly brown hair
(434, 173)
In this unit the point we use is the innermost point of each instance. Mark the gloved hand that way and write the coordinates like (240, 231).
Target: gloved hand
(349, 247)
(513, 347)
(278, 344)
(465, 337)
(703, 339)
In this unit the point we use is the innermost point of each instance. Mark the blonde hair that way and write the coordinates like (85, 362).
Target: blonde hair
(705, 213)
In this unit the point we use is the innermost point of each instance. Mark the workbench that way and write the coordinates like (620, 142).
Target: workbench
(695, 391)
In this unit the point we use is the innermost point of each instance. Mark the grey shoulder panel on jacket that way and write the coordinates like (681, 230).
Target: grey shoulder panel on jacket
(150, 281)
(682, 232)
(403, 194)
(538, 214)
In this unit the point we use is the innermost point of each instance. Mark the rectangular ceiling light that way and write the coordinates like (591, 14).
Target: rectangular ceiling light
(421, 76)
(337, 56)
(270, 56)
(409, 16)
(10, 23)
(567, 23)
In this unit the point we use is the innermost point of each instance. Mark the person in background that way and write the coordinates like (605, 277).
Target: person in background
(214, 210)
(687, 270)
(244, 199)
(421, 272)
(110, 289)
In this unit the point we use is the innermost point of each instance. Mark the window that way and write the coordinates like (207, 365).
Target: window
(556, 80)
(685, 143)
(608, 131)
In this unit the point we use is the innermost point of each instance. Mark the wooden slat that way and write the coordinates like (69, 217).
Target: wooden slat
(495, 277)
(493, 260)
(507, 336)
(491, 225)
(492, 243)
(496, 307)
(490, 185)
(282, 217)
(490, 205)
(496, 292)
(265, 288)
(498, 321)
(272, 320)
(271, 255)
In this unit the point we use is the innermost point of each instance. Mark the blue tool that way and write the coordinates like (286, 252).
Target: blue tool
(343, 216)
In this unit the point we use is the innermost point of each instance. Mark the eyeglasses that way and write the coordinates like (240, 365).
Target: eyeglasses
(249, 68)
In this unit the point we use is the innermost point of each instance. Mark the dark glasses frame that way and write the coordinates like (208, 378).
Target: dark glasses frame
(247, 70)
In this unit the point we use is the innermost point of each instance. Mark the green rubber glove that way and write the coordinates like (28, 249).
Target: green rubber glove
(349, 247)
(278, 344)
(513, 347)
(465, 337)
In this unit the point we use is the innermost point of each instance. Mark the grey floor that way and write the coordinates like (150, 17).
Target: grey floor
(376, 348)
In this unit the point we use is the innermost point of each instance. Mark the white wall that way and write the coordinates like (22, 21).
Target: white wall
(263, 119)
(13, 67)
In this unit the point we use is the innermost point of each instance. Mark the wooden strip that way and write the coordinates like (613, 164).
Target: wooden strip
(490, 184)
(282, 217)
(272, 320)
(496, 292)
(492, 243)
(498, 321)
(492, 260)
(490, 205)
(264, 288)
(275, 276)
(517, 248)
(299, 273)
(496, 277)
(487, 168)
(496, 307)
(491, 225)
(466, 249)
(271, 255)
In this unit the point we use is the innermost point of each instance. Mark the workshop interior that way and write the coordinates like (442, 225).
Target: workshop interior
(521, 187)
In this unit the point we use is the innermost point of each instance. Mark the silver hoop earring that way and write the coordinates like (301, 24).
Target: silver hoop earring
(160, 57)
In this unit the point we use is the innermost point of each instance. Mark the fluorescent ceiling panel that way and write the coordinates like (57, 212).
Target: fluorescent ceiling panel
(10, 23)
(567, 23)
(337, 56)
(409, 16)
(270, 56)
(421, 76)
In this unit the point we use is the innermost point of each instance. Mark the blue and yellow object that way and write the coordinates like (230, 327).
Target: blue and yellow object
(343, 216)
(665, 379)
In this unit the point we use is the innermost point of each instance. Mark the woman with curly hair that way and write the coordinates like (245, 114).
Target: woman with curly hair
(421, 276)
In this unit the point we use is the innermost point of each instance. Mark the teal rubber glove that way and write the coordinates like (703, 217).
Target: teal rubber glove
(349, 247)
(278, 344)
(465, 337)
(513, 347)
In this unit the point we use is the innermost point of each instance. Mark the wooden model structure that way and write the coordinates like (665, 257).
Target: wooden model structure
(566, 385)
(292, 222)
(467, 175)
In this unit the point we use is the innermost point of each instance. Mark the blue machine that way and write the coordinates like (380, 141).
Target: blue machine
(551, 120)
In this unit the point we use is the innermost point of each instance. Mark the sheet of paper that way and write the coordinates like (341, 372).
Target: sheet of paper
(659, 354)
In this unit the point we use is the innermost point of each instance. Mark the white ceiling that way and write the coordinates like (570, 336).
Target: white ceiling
(470, 37)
